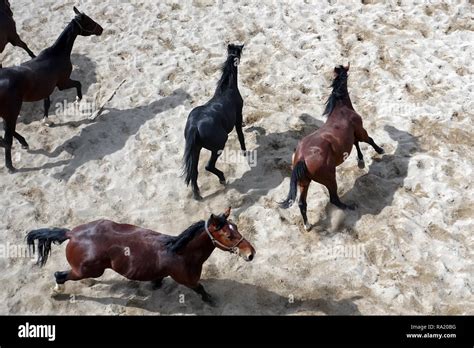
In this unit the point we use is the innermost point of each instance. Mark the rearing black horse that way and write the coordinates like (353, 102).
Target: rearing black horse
(208, 125)
(36, 79)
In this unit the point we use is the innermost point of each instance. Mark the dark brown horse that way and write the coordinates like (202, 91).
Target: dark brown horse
(8, 32)
(36, 79)
(141, 254)
(319, 153)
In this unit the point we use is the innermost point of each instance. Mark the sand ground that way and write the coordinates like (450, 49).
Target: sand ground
(407, 249)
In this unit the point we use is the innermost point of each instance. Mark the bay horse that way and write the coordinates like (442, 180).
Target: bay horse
(8, 33)
(141, 254)
(318, 154)
(208, 125)
(36, 79)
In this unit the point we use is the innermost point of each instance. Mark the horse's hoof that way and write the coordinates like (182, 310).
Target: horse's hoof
(58, 289)
(47, 122)
(380, 151)
(361, 164)
(78, 100)
(25, 147)
(11, 170)
(223, 182)
(308, 226)
(197, 197)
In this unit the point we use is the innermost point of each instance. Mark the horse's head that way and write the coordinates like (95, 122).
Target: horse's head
(235, 50)
(87, 25)
(225, 235)
(338, 70)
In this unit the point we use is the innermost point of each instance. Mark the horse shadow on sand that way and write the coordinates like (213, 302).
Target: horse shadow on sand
(84, 71)
(273, 161)
(105, 135)
(375, 190)
(231, 297)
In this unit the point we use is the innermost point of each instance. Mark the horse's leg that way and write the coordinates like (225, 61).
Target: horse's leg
(71, 84)
(196, 192)
(8, 142)
(362, 135)
(304, 186)
(21, 140)
(331, 185)
(157, 283)
(240, 134)
(360, 156)
(63, 277)
(16, 41)
(204, 294)
(211, 167)
(47, 104)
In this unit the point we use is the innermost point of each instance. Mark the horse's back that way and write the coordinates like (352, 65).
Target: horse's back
(211, 123)
(108, 228)
(334, 139)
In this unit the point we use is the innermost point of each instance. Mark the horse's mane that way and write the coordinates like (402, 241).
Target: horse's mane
(175, 244)
(339, 91)
(227, 73)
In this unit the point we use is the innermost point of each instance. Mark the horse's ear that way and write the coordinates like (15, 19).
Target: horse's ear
(76, 11)
(227, 212)
(213, 219)
(242, 47)
(348, 66)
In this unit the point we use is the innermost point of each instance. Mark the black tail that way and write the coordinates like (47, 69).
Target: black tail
(45, 236)
(299, 171)
(191, 155)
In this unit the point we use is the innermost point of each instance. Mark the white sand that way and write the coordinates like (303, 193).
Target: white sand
(411, 238)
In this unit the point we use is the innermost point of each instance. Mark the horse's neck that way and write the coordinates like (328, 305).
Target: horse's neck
(65, 41)
(346, 101)
(234, 81)
(231, 82)
(6, 9)
(200, 248)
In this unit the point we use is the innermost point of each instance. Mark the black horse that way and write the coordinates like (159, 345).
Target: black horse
(208, 125)
(36, 79)
(8, 32)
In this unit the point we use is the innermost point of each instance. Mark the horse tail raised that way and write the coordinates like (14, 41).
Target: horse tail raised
(45, 236)
(299, 171)
(191, 155)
